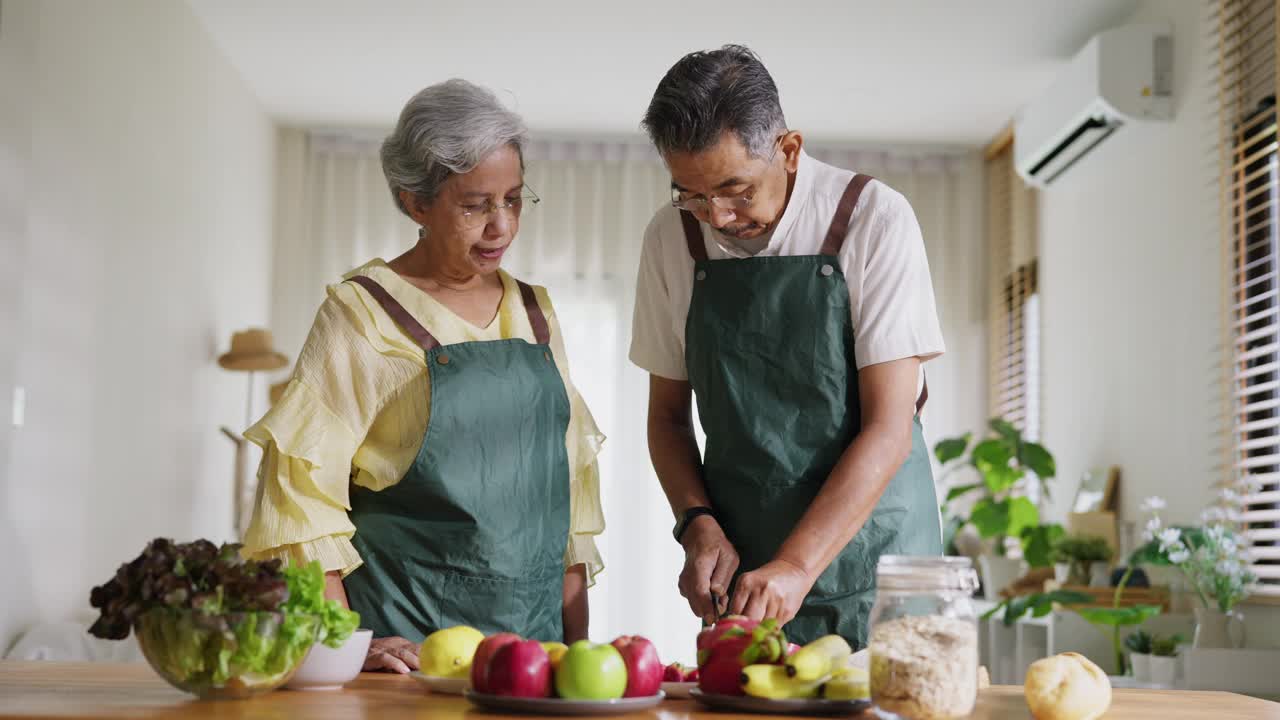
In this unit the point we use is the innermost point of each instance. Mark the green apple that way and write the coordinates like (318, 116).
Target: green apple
(591, 672)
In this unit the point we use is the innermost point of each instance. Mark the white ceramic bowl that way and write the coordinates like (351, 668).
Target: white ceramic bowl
(327, 668)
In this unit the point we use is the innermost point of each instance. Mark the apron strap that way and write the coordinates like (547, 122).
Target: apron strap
(924, 396)
(397, 312)
(537, 319)
(839, 229)
(693, 236)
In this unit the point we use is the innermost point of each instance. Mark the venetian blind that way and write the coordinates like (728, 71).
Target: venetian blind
(1246, 40)
(1012, 337)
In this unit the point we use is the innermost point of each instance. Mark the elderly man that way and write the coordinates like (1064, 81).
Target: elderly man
(793, 299)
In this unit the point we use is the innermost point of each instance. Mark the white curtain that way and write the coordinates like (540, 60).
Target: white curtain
(583, 243)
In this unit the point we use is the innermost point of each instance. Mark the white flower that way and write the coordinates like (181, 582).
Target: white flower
(1179, 556)
(1235, 515)
(1153, 527)
(1228, 496)
(1228, 567)
(1227, 543)
(1169, 538)
(1153, 504)
(1213, 514)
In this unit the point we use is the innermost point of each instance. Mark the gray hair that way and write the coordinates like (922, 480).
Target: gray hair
(711, 92)
(446, 129)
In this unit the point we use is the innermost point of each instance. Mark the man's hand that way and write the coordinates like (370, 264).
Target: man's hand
(709, 564)
(774, 590)
(391, 654)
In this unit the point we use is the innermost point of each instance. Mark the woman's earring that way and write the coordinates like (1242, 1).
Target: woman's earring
(422, 232)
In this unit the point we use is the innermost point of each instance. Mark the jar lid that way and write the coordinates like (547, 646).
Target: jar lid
(924, 573)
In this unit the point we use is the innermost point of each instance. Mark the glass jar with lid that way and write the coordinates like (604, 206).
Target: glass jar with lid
(923, 637)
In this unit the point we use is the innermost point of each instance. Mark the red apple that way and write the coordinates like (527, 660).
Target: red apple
(644, 669)
(520, 669)
(484, 655)
(692, 675)
(675, 672)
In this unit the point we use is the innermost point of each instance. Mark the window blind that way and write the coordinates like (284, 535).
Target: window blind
(1012, 313)
(1246, 38)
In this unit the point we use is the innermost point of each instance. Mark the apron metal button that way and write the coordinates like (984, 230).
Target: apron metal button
(702, 275)
(547, 355)
(827, 270)
(442, 359)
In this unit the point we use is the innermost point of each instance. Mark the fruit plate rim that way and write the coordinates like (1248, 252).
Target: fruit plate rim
(560, 706)
(677, 690)
(762, 706)
(442, 685)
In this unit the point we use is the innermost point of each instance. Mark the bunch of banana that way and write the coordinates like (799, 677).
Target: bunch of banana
(819, 659)
(847, 683)
(773, 683)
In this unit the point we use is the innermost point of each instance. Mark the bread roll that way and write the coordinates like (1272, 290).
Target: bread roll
(1067, 687)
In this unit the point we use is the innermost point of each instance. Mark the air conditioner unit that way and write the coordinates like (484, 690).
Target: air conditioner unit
(1122, 76)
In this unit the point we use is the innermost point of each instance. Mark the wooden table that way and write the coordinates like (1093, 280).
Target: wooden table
(87, 690)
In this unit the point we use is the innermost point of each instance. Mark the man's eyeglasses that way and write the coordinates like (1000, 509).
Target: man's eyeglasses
(734, 203)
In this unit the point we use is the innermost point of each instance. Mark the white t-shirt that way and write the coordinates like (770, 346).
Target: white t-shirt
(883, 260)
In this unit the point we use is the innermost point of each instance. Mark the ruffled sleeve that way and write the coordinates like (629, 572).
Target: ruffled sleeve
(308, 444)
(583, 442)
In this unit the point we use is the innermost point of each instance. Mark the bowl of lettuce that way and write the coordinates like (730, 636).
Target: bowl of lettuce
(214, 624)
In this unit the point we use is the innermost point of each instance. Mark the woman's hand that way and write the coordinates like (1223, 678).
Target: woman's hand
(391, 654)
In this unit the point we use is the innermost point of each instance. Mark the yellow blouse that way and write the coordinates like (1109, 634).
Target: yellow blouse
(356, 410)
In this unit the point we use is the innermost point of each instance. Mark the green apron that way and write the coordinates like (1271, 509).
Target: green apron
(769, 348)
(475, 532)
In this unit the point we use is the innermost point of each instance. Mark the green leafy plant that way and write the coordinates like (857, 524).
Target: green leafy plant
(1038, 543)
(1081, 551)
(1166, 645)
(1006, 463)
(1138, 642)
(1110, 620)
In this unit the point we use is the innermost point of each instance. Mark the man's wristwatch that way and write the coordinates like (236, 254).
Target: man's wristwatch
(689, 515)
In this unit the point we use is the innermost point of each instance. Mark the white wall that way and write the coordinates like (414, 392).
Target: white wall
(135, 223)
(1130, 280)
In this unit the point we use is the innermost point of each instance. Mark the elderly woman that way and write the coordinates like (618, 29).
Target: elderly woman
(430, 450)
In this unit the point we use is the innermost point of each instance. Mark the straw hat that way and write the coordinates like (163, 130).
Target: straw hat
(252, 349)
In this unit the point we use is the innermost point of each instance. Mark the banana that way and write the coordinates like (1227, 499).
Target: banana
(772, 683)
(819, 658)
(847, 683)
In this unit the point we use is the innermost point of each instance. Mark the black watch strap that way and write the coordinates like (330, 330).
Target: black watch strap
(688, 517)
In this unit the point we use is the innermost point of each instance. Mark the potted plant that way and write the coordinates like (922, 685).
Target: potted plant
(1214, 560)
(1114, 618)
(1138, 643)
(1081, 554)
(1007, 465)
(1164, 659)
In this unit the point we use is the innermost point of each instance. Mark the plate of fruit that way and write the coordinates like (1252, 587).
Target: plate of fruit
(512, 674)
(750, 667)
(678, 680)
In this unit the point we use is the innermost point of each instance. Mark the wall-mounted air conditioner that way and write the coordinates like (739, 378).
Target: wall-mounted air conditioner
(1122, 76)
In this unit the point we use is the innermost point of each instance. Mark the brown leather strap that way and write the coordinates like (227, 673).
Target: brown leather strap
(537, 319)
(844, 213)
(924, 396)
(693, 236)
(397, 312)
